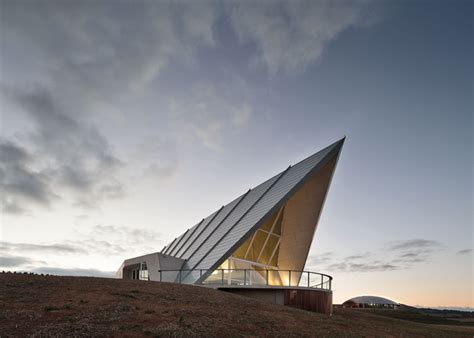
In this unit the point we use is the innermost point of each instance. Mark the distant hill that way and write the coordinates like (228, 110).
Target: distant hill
(428, 316)
(452, 311)
(86, 306)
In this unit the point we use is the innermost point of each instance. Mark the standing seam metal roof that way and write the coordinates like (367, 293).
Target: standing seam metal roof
(210, 242)
(274, 198)
(190, 234)
(184, 252)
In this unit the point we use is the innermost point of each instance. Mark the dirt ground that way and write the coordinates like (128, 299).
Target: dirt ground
(32, 305)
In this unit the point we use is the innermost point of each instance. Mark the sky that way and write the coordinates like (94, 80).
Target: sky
(125, 123)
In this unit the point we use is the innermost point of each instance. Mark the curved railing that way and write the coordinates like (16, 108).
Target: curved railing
(248, 277)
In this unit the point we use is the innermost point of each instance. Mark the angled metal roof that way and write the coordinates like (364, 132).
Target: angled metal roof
(211, 241)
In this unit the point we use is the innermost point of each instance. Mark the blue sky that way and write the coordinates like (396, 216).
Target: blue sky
(116, 115)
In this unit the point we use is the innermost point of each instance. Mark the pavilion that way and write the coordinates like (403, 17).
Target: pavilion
(257, 244)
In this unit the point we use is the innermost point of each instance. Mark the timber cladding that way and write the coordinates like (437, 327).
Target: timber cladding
(311, 300)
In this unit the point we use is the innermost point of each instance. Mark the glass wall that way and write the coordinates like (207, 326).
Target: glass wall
(250, 262)
(263, 247)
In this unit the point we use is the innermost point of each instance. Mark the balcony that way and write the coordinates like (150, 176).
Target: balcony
(261, 278)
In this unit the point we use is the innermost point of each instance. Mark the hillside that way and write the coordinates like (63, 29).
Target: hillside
(83, 306)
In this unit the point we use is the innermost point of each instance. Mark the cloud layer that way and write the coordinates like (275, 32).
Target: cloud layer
(290, 35)
(60, 156)
(19, 184)
(206, 113)
(73, 272)
(395, 256)
(85, 69)
(76, 69)
(104, 242)
(88, 63)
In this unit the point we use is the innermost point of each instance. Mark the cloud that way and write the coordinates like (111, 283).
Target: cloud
(362, 267)
(79, 71)
(207, 113)
(71, 157)
(41, 248)
(81, 58)
(132, 235)
(400, 255)
(14, 261)
(163, 156)
(107, 243)
(113, 240)
(417, 244)
(364, 262)
(103, 49)
(289, 35)
(19, 184)
(100, 239)
(412, 257)
(72, 272)
(320, 259)
(464, 252)
(21, 263)
(358, 256)
(413, 251)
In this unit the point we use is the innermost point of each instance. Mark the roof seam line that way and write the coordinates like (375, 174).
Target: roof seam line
(177, 243)
(219, 224)
(204, 229)
(190, 235)
(171, 248)
(166, 250)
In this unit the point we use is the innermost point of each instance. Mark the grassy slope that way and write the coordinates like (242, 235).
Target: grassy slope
(47, 305)
(419, 316)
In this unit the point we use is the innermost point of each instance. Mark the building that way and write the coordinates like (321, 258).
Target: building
(370, 302)
(257, 244)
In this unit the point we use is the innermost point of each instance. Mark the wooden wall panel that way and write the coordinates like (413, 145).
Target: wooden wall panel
(311, 300)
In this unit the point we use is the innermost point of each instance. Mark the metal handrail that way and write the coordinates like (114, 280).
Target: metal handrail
(224, 277)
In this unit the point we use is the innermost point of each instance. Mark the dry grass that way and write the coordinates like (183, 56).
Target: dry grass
(81, 306)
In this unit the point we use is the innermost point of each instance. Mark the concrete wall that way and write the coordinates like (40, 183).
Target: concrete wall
(154, 262)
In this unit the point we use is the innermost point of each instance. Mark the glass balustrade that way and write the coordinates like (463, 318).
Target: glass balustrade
(248, 277)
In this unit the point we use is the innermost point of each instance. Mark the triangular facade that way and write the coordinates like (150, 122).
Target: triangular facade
(270, 227)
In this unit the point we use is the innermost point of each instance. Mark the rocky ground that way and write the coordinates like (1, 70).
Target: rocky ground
(32, 305)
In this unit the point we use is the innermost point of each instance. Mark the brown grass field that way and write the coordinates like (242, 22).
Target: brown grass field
(32, 305)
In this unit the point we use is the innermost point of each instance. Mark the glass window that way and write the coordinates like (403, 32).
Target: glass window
(257, 245)
(274, 259)
(268, 224)
(268, 249)
(240, 252)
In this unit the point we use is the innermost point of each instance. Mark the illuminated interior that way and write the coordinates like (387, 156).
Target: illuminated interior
(258, 254)
(282, 242)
